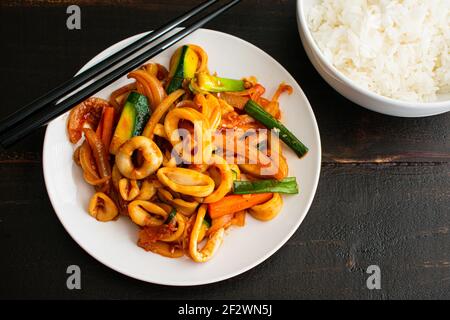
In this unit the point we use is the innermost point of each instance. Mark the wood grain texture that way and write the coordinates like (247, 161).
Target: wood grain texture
(44, 52)
(383, 198)
(397, 218)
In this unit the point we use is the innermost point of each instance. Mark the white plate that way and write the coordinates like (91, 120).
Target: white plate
(114, 243)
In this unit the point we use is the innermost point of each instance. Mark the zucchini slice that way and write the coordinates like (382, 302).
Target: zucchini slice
(133, 119)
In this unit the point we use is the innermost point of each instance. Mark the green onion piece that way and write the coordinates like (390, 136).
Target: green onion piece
(258, 113)
(171, 216)
(211, 83)
(286, 186)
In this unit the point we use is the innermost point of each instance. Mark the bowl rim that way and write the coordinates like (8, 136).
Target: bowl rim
(302, 18)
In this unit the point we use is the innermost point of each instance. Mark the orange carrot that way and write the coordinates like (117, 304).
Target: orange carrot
(107, 126)
(236, 203)
(99, 129)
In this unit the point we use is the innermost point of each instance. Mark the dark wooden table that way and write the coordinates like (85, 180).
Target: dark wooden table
(383, 198)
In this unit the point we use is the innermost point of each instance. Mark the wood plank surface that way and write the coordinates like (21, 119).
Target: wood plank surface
(383, 198)
(397, 218)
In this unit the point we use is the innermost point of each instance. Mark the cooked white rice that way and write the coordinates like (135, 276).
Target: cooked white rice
(397, 48)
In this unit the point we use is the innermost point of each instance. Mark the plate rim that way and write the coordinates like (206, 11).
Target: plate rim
(258, 261)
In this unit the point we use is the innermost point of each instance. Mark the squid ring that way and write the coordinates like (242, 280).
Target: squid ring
(203, 65)
(186, 181)
(146, 214)
(199, 167)
(186, 208)
(102, 207)
(269, 210)
(160, 131)
(147, 190)
(116, 176)
(152, 158)
(213, 243)
(211, 109)
(273, 166)
(226, 180)
(181, 224)
(202, 135)
(128, 189)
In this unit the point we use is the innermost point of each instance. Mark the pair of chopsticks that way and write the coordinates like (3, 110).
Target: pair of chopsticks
(46, 108)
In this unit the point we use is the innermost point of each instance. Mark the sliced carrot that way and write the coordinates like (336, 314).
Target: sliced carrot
(236, 203)
(107, 126)
(99, 129)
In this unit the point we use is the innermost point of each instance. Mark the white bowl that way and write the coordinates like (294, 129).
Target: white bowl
(350, 89)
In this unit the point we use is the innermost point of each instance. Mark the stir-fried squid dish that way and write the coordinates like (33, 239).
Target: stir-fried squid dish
(185, 154)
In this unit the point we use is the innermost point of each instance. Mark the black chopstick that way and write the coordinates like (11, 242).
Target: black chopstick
(38, 119)
(64, 89)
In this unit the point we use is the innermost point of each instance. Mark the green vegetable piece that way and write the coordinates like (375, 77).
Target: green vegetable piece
(183, 66)
(258, 113)
(171, 216)
(286, 186)
(133, 119)
(209, 83)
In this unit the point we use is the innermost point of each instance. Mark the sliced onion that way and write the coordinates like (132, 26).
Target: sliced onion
(99, 152)
(94, 181)
(160, 111)
(203, 56)
(90, 112)
(87, 161)
(117, 98)
(153, 88)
